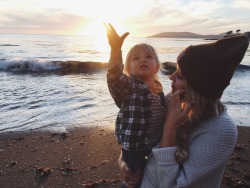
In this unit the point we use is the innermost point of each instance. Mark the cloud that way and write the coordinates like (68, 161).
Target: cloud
(202, 17)
(241, 4)
(41, 23)
(141, 17)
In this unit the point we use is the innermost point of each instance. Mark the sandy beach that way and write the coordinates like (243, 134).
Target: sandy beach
(86, 157)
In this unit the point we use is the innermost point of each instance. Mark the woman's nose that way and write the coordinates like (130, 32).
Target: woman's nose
(171, 77)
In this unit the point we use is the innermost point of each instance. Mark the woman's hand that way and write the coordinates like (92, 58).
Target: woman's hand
(131, 179)
(115, 41)
(176, 115)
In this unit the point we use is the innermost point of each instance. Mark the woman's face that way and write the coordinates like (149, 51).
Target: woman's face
(179, 82)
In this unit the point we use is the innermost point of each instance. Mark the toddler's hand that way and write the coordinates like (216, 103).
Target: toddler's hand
(115, 41)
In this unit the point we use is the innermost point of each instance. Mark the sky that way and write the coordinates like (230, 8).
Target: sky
(141, 18)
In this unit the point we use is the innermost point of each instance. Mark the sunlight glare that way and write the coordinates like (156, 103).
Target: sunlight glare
(109, 11)
(97, 30)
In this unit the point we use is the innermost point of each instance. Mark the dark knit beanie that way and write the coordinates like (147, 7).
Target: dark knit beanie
(208, 68)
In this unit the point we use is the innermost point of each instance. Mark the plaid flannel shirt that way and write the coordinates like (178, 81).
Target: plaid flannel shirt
(131, 94)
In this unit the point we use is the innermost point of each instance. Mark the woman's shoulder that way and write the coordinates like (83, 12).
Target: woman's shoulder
(224, 120)
(222, 125)
(218, 134)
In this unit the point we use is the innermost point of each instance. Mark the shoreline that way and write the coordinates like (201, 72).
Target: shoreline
(86, 157)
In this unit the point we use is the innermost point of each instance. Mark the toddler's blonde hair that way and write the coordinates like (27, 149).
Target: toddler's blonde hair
(148, 48)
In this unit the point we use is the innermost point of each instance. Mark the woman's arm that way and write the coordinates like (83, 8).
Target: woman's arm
(175, 116)
(209, 150)
(211, 144)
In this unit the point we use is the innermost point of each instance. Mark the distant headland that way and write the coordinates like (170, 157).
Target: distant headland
(194, 35)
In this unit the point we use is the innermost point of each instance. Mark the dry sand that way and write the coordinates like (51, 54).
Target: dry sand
(86, 157)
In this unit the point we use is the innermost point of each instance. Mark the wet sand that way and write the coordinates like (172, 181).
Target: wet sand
(86, 157)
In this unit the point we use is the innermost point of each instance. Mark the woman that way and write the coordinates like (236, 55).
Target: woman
(199, 136)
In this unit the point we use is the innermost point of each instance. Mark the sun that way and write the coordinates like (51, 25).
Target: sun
(97, 12)
(96, 30)
(109, 11)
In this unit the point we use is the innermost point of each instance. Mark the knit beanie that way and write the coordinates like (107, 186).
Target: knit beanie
(208, 68)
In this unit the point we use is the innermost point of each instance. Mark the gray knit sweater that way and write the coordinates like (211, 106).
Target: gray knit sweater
(211, 145)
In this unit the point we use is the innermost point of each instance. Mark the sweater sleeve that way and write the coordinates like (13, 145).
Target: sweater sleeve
(209, 151)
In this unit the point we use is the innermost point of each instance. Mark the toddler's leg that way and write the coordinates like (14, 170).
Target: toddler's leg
(135, 160)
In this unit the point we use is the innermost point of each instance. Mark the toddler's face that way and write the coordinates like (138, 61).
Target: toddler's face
(143, 64)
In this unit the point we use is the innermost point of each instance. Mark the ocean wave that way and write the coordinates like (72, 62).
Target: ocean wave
(242, 67)
(9, 45)
(168, 68)
(59, 67)
(74, 67)
(245, 103)
(28, 65)
(88, 51)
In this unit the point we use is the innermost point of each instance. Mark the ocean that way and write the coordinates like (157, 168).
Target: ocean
(42, 88)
